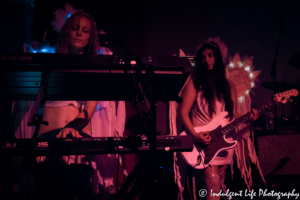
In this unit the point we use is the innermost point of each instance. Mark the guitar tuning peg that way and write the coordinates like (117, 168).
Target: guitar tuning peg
(290, 100)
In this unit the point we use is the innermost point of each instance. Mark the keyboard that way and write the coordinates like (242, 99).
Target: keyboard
(97, 145)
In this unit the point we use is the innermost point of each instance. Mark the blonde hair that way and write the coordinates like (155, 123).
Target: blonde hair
(92, 47)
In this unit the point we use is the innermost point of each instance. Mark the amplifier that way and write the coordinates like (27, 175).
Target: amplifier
(279, 154)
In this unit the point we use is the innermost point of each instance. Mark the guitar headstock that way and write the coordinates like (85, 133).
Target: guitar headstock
(283, 97)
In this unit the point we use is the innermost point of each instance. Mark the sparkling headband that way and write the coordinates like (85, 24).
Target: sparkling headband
(61, 15)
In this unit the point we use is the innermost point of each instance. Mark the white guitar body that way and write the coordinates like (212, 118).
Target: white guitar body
(202, 157)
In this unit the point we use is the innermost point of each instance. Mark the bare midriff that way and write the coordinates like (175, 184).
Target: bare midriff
(58, 117)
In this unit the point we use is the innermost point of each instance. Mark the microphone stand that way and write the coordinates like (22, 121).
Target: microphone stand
(274, 73)
(29, 163)
(152, 82)
(150, 131)
(34, 118)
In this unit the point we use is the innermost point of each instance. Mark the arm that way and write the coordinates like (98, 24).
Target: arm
(188, 99)
(81, 120)
(90, 107)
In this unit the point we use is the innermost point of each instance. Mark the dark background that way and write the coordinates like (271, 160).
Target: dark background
(163, 27)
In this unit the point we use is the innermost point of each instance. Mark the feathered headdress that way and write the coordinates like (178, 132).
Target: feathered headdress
(223, 48)
(242, 73)
(61, 15)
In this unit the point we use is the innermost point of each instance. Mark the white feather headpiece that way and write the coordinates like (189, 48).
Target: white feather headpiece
(61, 15)
(242, 73)
(223, 48)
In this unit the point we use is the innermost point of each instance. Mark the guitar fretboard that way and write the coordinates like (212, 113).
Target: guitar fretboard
(246, 118)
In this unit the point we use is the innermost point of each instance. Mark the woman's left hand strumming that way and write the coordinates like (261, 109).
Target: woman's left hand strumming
(68, 131)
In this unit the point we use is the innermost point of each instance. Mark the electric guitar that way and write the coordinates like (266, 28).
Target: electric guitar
(203, 155)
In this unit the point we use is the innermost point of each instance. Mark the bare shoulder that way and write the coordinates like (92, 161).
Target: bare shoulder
(191, 84)
(189, 93)
(189, 89)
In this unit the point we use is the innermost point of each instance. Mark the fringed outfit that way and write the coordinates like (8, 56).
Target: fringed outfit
(244, 151)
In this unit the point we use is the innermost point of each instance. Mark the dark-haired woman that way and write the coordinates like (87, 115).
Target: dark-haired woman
(207, 94)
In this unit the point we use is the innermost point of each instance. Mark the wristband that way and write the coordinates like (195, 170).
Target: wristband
(78, 123)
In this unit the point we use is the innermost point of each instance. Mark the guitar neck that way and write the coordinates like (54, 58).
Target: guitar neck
(247, 117)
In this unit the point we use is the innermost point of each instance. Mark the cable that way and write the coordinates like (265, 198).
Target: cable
(117, 184)
(117, 179)
(187, 177)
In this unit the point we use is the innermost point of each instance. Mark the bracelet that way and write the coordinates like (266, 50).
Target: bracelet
(79, 123)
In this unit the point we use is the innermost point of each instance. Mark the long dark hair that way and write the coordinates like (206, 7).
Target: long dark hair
(212, 83)
(92, 47)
